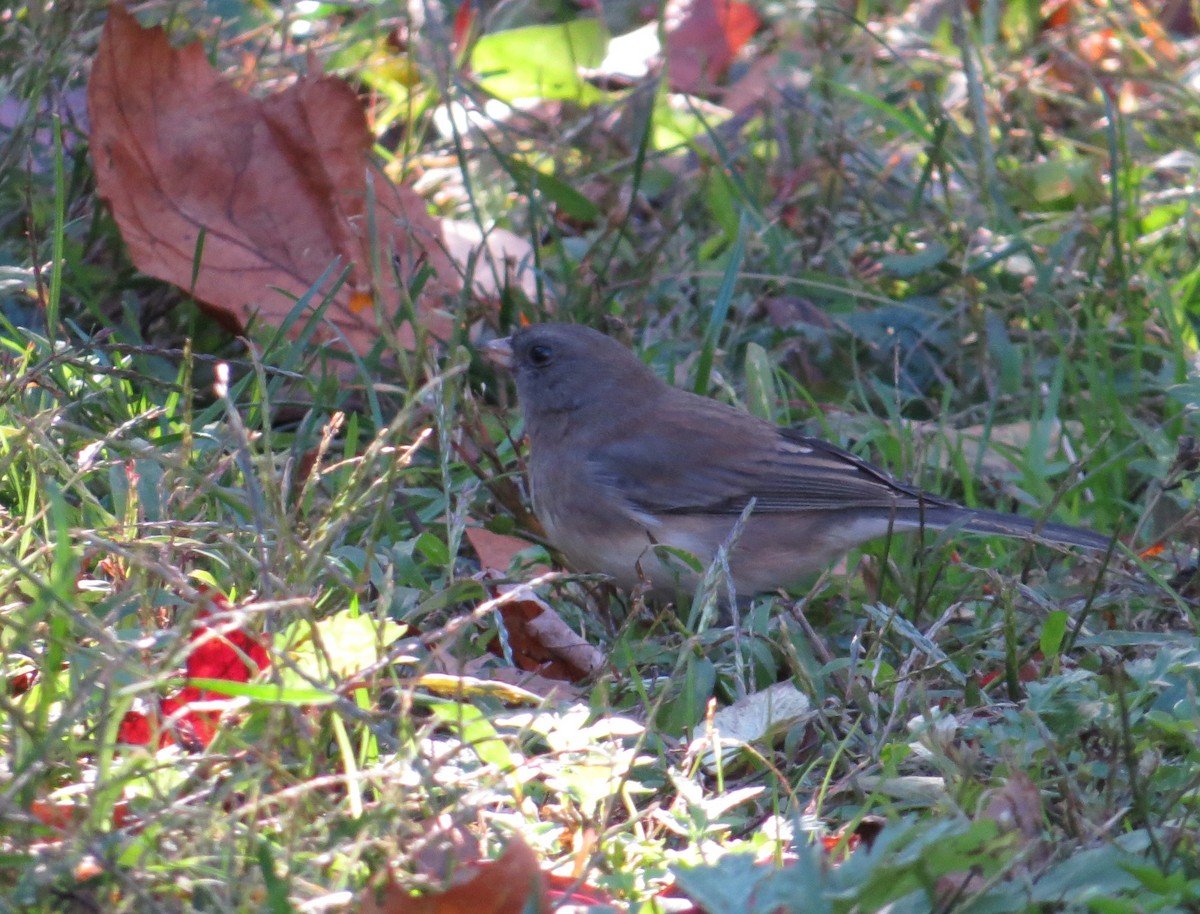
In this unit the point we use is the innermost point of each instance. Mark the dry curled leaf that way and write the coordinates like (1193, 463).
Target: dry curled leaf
(269, 192)
(543, 643)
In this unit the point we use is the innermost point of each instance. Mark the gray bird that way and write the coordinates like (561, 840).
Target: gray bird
(621, 462)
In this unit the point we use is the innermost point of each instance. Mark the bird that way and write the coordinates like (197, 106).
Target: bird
(621, 464)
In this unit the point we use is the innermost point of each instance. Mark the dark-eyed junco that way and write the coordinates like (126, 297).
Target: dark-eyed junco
(621, 462)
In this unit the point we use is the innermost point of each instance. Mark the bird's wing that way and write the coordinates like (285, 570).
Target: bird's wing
(686, 471)
(804, 473)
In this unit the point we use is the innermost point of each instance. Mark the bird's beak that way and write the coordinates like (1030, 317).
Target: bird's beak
(499, 351)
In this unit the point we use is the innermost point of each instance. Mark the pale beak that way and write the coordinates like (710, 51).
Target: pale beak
(499, 351)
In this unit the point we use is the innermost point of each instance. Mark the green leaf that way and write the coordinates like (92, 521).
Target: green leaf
(1096, 873)
(906, 265)
(541, 61)
(334, 648)
(916, 127)
(1115, 906)
(720, 309)
(700, 679)
(270, 693)
(760, 383)
(798, 887)
(723, 201)
(724, 887)
(675, 125)
(433, 549)
(1053, 631)
(277, 887)
(1062, 182)
(476, 731)
(570, 201)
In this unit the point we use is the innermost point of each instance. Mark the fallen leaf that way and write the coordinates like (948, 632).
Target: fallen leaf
(850, 837)
(336, 649)
(1153, 552)
(69, 807)
(543, 643)
(497, 260)
(761, 85)
(541, 61)
(496, 550)
(1017, 807)
(510, 884)
(136, 729)
(444, 848)
(633, 55)
(1179, 16)
(274, 189)
(913, 788)
(703, 37)
(21, 679)
(756, 719)
(1026, 672)
(460, 686)
(218, 652)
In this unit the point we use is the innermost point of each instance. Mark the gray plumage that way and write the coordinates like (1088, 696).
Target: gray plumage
(621, 461)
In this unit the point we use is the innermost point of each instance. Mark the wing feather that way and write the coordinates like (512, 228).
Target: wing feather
(687, 470)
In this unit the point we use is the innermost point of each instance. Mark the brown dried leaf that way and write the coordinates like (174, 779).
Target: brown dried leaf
(497, 550)
(703, 37)
(505, 885)
(543, 643)
(500, 258)
(1017, 807)
(279, 187)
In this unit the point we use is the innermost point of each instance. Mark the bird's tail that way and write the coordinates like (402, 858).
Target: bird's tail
(938, 517)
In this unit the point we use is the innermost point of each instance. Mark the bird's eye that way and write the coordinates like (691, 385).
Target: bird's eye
(540, 355)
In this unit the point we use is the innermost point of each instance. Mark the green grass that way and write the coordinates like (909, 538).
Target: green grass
(913, 240)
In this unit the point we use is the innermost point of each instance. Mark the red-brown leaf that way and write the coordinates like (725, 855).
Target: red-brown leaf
(279, 187)
(495, 550)
(543, 643)
(505, 885)
(703, 37)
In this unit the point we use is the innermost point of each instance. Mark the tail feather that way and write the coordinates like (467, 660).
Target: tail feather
(997, 523)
